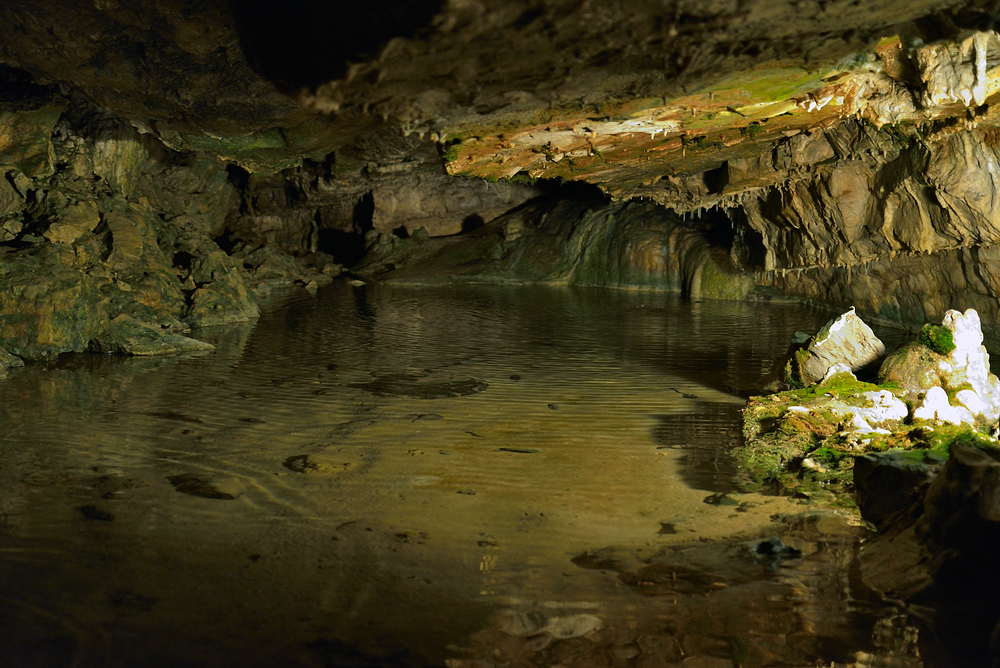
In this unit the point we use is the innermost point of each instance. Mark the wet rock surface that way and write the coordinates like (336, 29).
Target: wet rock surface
(112, 239)
(937, 529)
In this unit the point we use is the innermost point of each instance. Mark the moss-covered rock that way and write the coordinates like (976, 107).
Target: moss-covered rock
(913, 367)
(810, 436)
(938, 338)
(962, 374)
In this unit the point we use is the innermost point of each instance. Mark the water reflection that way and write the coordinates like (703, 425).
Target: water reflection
(375, 476)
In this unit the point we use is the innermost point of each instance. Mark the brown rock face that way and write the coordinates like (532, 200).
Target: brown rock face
(838, 152)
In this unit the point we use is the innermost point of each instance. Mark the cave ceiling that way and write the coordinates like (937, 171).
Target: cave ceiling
(639, 97)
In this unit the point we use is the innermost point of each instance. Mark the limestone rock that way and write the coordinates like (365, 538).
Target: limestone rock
(128, 336)
(118, 159)
(11, 201)
(969, 363)
(844, 340)
(224, 295)
(912, 367)
(26, 140)
(74, 221)
(48, 308)
(957, 72)
(965, 372)
(8, 361)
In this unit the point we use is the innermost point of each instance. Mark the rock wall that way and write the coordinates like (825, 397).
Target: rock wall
(385, 182)
(878, 194)
(907, 290)
(108, 237)
(568, 240)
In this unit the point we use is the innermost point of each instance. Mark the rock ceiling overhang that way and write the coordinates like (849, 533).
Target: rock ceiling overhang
(646, 147)
(635, 96)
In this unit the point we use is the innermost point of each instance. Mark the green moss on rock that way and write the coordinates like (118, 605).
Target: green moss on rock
(804, 447)
(938, 338)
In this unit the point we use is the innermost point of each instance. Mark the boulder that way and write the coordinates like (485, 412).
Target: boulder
(8, 361)
(887, 484)
(845, 340)
(936, 543)
(224, 294)
(128, 336)
(74, 221)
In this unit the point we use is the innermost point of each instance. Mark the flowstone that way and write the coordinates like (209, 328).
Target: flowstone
(955, 387)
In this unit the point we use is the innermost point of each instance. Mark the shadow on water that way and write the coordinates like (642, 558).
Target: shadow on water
(706, 436)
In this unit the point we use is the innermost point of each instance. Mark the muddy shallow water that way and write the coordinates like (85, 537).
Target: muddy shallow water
(392, 477)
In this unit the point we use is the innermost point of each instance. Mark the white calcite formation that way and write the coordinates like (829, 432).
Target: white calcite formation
(964, 374)
(965, 371)
(861, 413)
(879, 408)
(935, 406)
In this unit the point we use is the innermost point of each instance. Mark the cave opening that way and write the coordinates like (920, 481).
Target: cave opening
(347, 247)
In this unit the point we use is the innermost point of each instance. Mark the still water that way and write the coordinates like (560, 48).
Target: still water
(378, 476)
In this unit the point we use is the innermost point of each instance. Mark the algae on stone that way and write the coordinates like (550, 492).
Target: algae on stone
(812, 435)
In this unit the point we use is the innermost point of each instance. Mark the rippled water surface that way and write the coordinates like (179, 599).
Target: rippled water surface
(390, 477)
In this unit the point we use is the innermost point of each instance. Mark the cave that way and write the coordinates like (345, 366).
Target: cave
(428, 333)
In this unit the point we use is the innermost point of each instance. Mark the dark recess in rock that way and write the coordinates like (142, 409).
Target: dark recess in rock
(303, 43)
